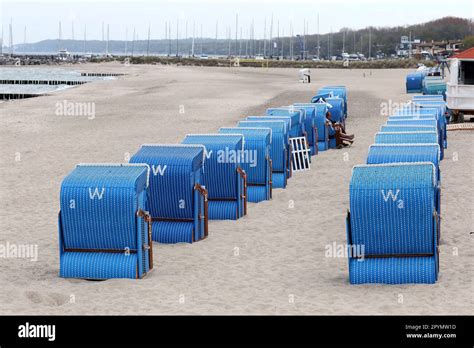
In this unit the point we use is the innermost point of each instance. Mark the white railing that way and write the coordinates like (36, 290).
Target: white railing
(300, 154)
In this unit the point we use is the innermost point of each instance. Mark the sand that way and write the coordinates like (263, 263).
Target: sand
(270, 262)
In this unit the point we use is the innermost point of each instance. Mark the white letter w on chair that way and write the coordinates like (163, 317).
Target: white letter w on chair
(390, 194)
(158, 170)
(94, 193)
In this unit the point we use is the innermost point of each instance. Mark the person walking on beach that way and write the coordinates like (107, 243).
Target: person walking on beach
(338, 131)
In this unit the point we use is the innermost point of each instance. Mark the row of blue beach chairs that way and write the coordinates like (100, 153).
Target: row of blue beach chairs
(393, 225)
(111, 213)
(428, 81)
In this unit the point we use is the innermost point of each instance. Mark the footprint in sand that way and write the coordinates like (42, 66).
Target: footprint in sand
(33, 296)
(56, 299)
(49, 299)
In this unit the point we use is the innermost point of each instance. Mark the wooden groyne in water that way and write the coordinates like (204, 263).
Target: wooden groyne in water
(101, 74)
(42, 82)
(13, 96)
(16, 95)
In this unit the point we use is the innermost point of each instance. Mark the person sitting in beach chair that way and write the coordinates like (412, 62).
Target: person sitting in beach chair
(337, 133)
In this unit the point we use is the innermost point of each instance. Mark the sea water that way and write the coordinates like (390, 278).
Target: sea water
(42, 73)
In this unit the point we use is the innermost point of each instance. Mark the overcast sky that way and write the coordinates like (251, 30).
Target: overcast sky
(41, 18)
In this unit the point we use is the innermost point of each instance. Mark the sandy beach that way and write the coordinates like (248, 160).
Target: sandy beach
(274, 260)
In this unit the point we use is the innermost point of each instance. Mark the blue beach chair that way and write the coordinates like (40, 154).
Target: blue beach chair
(297, 119)
(419, 115)
(336, 108)
(321, 124)
(310, 125)
(259, 172)
(278, 152)
(392, 224)
(287, 121)
(419, 122)
(414, 83)
(434, 86)
(410, 153)
(406, 138)
(434, 97)
(414, 110)
(407, 128)
(437, 104)
(223, 177)
(177, 200)
(336, 91)
(413, 122)
(411, 117)
(104, 228)
(320, 97)
(425, 112)
(405, 153)
(441, 107)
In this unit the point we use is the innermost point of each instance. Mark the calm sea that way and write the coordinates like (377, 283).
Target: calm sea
(29, 73)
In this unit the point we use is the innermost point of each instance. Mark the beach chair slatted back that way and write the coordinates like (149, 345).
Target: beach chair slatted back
(421, 122)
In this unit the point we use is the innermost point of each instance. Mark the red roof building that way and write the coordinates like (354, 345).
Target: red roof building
(465, 55)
